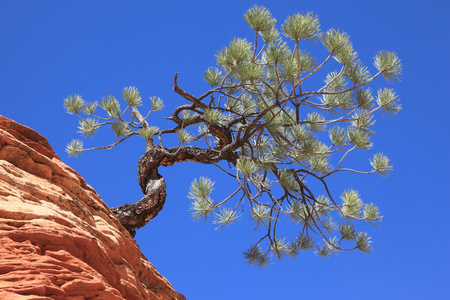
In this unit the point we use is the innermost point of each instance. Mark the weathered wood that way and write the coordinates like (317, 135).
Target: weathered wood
(136, 215)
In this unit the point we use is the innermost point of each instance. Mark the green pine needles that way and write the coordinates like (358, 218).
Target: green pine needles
(270, 122)
(113, 116)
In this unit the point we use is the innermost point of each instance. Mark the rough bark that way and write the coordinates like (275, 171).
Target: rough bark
(136, 215)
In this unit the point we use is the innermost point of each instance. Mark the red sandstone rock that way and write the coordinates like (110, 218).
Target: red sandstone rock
(58, 240)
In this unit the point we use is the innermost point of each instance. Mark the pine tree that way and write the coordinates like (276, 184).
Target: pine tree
(262, 124)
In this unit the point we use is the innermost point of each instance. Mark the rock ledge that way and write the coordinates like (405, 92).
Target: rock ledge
(58, 239)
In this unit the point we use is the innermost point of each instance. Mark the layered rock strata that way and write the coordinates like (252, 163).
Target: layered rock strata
(58, 239)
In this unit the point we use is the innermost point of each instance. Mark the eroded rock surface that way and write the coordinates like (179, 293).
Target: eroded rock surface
(58, 239)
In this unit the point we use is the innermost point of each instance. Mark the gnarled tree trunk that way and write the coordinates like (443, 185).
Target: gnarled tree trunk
(136, 215)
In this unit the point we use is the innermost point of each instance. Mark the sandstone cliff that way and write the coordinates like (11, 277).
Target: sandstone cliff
(58, 240)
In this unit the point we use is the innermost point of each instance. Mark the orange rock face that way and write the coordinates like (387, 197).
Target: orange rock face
(58, 240)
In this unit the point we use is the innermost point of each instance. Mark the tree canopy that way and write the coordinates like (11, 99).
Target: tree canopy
(266, 120)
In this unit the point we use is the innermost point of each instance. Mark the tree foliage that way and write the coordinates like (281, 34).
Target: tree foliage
(263, 123)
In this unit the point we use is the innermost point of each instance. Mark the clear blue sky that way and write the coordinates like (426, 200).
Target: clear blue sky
(50, 49)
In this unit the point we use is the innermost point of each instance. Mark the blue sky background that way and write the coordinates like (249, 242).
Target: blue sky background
(50, 49)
